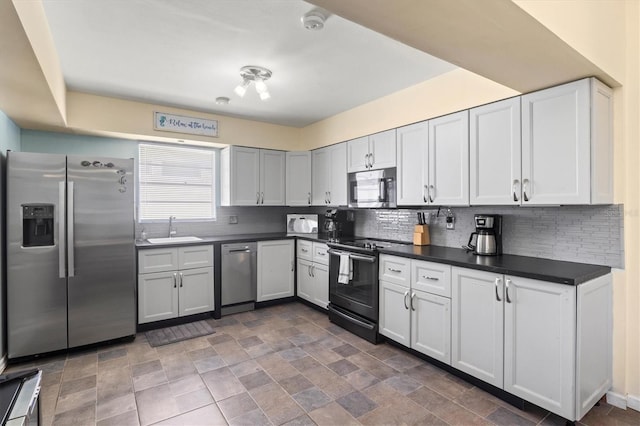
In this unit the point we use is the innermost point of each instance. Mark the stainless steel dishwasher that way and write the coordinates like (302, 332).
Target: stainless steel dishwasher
(239, 277)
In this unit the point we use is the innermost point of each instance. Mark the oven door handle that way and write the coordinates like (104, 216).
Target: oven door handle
(353, 320)
(364, 258)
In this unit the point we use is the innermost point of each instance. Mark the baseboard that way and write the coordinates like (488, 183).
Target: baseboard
(623, 402)
(633, 402)
(3, 363)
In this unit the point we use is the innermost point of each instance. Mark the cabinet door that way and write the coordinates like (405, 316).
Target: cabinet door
(395, 318)
(305, 280)
(539, 343)
(358, 154)
(556, 145)
(320, 275)
(382, 149)
(477, 321)
(431, 325)
(495, 153)
(157, 296)
(298, 188)
(196, 291)
(338, 175)
(412, 160)
(190, 257)
(449, 159)
(244, 178)
(157, 260)
(275, 269)
(272, 177)
(320, 181)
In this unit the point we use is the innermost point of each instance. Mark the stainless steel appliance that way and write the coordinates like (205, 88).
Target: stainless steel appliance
(20, 398)
(354, 305)
(302, 223)
(373, 189)
(239, 277)
(488, 233)
(70, 251)
(339, 224)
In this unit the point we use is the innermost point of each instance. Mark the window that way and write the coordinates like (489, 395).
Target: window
(176, 181)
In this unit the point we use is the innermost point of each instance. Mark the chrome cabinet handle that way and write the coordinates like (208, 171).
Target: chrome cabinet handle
(371, 160)
(525, 184)
(424, 193)
(513, 187)
(431, 187)
(313, 270)
(497, 295)
(394, 270)
(413, 296)
(329, 192)
(308, 198)
(262, 198)
(507, 290)
(309, 270)
(430, 278)
(257, 198)
(406, 293)
(304, 250)
(293, 265)
(366, 161)
(181, 277)
(175, 279)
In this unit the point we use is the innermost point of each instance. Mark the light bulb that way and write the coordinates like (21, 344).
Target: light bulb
(241, 89)
(261, 86)
(264, 95)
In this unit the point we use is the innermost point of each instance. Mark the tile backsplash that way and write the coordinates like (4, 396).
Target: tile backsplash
(586, 234)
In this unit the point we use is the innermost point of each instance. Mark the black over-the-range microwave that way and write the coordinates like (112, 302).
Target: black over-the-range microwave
(373, 188)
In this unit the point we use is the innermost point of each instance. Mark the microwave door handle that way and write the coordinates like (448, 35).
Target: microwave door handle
(382, 191)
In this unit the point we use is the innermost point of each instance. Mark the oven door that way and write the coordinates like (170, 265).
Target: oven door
(360, 296)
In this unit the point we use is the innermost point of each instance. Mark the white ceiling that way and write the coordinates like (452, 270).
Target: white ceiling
(185, 53)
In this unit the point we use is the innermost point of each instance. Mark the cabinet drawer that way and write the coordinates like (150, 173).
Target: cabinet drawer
(195, 257)
(320, 254)
(157, 260)
(395, 270)
(434, 278)
(304, 250)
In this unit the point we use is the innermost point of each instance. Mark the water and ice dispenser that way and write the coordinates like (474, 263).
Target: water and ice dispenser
(37, 225)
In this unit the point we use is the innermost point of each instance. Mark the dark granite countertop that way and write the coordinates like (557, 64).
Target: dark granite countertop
(570, 273)
(562, 272)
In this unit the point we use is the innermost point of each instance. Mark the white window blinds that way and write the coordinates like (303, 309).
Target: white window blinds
(176, 181)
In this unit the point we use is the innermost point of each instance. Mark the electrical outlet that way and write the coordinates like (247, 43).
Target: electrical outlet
(451, 222)
(233, 220)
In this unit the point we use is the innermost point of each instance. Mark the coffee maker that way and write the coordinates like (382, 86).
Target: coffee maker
(339, 224)
(488, 233)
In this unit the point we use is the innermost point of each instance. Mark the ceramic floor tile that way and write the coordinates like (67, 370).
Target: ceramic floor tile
(331, 415)
(209, 415)
(356, 403)
(193, 400)
(305, 363)
(502, 416)
(295, 384)
(146, 368)
(278, 406)
(207, 364)
(342, 367)
(129, 418)
(78, 385)
(303, 420)
(156, 404)
(311, 398)
(222, 383)
(403, 384)
(252, 418)
(116, 406)
(255, 380)
(81, 416)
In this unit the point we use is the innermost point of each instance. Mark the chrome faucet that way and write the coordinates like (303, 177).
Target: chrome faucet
(172, 230)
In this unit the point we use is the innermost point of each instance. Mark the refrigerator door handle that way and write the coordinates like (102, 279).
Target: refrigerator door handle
(62, 272)
(70, 236)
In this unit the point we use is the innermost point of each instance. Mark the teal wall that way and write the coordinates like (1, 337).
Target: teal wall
(9, 139)
(65, 143)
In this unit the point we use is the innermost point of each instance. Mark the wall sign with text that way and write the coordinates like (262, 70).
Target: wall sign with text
(181, 124)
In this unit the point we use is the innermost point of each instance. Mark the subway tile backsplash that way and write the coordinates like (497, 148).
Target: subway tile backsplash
(586, 234)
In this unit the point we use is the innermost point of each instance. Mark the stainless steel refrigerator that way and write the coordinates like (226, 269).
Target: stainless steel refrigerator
(70, 251)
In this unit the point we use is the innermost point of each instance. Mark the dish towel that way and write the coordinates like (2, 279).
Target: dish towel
(345, 272)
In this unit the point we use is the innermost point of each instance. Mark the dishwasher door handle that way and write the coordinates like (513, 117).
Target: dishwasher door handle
(244, 250)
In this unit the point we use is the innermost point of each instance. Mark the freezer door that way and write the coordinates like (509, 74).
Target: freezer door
(100, 252)
(36, 282)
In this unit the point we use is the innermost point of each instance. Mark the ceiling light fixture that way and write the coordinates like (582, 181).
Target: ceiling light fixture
(314, 20)
(257, 75)
(222, 100)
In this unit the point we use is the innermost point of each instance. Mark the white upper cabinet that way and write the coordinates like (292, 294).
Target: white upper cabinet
(329, 175)
(250, 176)
(413, 163)
(433, 161)
(566, 144)
(376, 151)
(298, 186)
(494, 144)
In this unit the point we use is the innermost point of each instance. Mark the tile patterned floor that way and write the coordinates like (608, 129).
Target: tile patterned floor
(285, 364)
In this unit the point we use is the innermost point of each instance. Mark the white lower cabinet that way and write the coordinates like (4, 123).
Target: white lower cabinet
(275, 269)
(410, 315)
(313, 272)
(181, 283)
(529, 338)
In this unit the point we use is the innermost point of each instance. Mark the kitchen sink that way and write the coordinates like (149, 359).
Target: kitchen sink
(169, 240)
